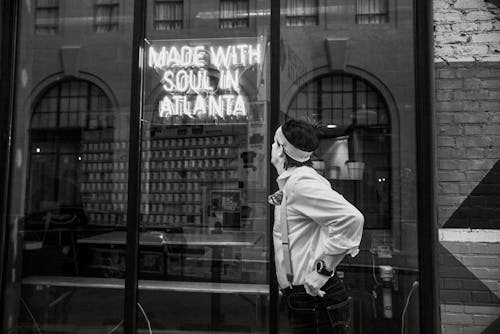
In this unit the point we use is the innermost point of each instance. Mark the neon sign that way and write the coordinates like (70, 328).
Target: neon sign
(203, 81)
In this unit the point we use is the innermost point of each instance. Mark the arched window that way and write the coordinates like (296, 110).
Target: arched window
(62, 116)
(356, 141)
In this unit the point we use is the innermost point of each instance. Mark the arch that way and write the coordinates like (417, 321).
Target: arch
(380, 86)
(43, 85)
(70, 103)
(322, 84)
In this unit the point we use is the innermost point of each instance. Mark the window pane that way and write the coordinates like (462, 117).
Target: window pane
(70, 166)
(204, 164)
(367, 142)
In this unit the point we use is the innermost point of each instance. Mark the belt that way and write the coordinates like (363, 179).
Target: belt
(293, 288)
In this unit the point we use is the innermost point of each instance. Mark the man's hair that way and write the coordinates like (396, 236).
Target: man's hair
(304, 136)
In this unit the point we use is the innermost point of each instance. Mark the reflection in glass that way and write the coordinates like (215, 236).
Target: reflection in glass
(69, 180)
(204, 219)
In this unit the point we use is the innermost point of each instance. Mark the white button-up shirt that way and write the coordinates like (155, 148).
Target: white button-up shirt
(320, 221)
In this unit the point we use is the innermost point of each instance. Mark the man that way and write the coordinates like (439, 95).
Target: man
(314, 228)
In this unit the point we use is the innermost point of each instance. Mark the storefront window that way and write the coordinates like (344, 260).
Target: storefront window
(357, 86)
(205, 262)
(69, 178)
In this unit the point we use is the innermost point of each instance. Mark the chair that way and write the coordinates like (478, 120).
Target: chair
(50, 242)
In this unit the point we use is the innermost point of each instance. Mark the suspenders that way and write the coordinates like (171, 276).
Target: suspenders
(284, 239)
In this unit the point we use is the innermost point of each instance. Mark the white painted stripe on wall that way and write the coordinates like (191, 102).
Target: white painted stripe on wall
(469, 235)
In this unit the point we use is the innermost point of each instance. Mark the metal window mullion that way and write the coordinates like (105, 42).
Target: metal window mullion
(273, 124)
(132, 228)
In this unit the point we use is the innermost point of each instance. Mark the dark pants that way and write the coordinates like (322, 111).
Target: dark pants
(318, 315)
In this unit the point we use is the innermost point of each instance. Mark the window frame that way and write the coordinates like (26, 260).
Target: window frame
(169, 22)
(112, 22)
(302, 18)
(235, 14)
(381, 17)
(46, 29)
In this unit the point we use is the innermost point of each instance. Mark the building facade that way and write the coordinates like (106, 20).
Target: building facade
(467, 104)
(207, 82)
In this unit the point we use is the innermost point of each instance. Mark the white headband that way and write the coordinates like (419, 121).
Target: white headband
(292, 151)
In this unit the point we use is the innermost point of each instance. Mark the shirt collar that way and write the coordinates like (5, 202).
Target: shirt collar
(283, 177)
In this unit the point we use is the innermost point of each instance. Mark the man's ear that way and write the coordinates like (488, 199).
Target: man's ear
(281, 151)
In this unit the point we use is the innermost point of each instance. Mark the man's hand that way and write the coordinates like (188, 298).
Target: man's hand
(314, 282)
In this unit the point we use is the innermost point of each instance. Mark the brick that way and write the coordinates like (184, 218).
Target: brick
(479, 164)
(472, 83)
(456, 318)
(448, 152)
(472, 117)
(446, 73)
(442, 28)
(491, 129)
(478, 16)
(493, 285)
(444, 95)
(474, 175)
(464, 26)
(481, 319)
(472, 285)
(448, 164)
(456, 247)
(473, 49)
(452, 129)
(488, 273)
(440, 4)
(479, 260)
(475, 152)
(454, 38)
(485, 38)
(474, 141)
(484, 248)
(452, 329)
(450, 283)
(485, 26)
(446, 118)
(471, 309)
(450, 200)
(450, 83)
(463, 4)
(470, 94)
(444, 141)
(465, 188)
(448, 16)
(480, 297)
(487, 73)
(450, 176)
(474, 329)
(490, 106)
(494, 95)
(490, 83)
(452, 308)
(472, 130)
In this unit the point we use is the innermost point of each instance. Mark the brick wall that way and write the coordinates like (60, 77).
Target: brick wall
(466, 30)
(467, 100)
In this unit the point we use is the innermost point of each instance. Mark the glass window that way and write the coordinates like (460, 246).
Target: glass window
(46, 17)
(70, 181)
(169, 14)
(365, 119)
(372, 11)
(302, 13)
(234, 14)
(106, 15)
(364, 107)
(203, 211)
